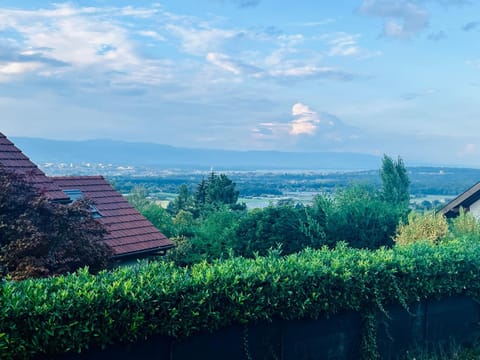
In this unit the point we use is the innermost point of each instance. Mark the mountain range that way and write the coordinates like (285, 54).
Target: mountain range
(164, 156)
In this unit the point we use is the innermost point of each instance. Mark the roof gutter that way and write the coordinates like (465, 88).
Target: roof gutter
(152, 251)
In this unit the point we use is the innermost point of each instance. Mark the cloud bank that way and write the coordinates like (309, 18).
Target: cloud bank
(305, 122)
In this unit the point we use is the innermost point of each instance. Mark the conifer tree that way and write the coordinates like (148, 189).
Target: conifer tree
(395, 181)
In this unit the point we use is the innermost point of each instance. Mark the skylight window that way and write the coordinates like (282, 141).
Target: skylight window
(75, 195)
(95, 213)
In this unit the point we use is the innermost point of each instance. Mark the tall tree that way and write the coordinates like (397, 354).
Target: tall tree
(200, 196)
(160, 218)
(221, 190)
(183, 201)
(359, 216)
(216, 191)
(138, 198)
(395, 181)
(39, 238)
(287, 226)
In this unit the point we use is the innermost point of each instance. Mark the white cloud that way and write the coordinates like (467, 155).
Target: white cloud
(286, 70)
(12, 68)
(199, 41)
(314, 23)
(152, 34)
(80, 39)
(270, 131)
(97, 48)
(291, 40)
(278, 56)
(403, 19)
(299, 71)
(223, 62)
(138, 12)
(310, 71)
(343, 44)
(307, 129)
(234, 66)
(81, 42)
(231, 51)
(300, 109)
(305, 122)
(468, 150)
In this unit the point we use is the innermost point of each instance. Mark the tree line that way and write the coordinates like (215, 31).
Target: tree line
(39, 238)
(209, 222)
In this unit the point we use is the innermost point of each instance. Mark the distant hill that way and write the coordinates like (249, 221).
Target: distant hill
(157, 155)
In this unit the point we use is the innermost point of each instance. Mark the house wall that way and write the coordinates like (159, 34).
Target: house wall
(475, 209)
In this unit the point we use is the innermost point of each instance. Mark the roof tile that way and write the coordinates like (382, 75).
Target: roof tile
(13, 160)
(129, 231)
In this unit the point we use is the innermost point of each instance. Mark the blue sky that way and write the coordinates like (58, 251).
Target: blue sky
(400, 77)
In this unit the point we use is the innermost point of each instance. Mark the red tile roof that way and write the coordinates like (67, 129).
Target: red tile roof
(129, 232)
(13, 160)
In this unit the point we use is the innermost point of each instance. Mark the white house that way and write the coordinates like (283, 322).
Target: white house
(469, 201)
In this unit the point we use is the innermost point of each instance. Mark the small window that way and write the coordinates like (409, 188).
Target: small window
(95, 213)
(74, 194)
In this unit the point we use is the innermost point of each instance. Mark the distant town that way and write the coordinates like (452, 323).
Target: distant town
(431, 187)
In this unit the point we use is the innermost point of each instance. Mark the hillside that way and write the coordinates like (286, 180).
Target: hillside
(158, 155)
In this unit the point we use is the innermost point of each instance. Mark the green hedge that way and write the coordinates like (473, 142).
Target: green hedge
(81, 311)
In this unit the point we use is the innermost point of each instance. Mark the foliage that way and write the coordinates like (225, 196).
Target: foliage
(314, 225)
(181, 224)
(160, 218)
(206, 238)
(211, 238)
(182, 254)
(465, 224)
(360, 216)
(215, 236)
(216, 191)
(429, 226)
(81, 311)
(423, 181)
(287, 226)
(184, 224)
(395, 181)
(39, 238)
(138, 198)
(426, 205)
(183, 201)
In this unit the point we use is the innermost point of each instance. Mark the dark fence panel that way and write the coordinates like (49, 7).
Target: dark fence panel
(156, 347)
(452, 321)
(400, 329)
(260, 341)
(335, 338)
(425, 326)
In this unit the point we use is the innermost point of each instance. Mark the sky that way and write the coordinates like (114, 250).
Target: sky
(400, 77)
